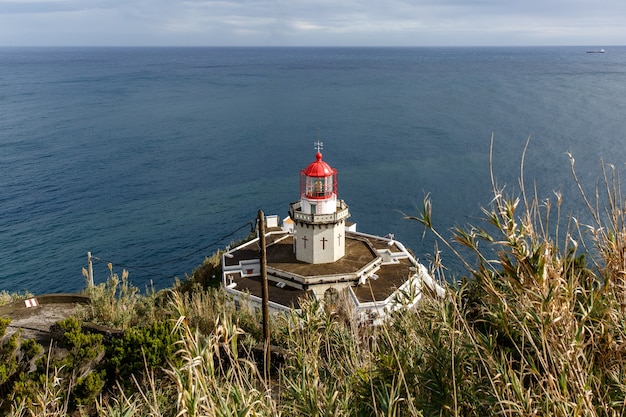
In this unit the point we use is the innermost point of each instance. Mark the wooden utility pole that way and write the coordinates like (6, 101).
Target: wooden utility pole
(89, 270)
(264, 297)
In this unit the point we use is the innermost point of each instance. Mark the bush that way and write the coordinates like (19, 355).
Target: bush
(62, 380)
(141, 349)
(205, 276)
(16, 355)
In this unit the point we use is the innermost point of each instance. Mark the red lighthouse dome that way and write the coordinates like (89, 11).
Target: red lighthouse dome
(318, 181)
(318, 168)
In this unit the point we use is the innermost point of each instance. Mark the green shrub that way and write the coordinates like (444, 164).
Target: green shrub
(16, 355)
(83, 347)
(87, 388)
(142, 348)
(206, 275)
(72, 378)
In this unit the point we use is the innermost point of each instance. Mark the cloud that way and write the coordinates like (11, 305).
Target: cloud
(57, 6)
(306, 22)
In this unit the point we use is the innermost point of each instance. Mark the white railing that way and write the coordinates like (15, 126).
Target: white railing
(297, 215)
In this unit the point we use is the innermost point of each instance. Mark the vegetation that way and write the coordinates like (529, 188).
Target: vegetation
(6, 297)
(537, 326)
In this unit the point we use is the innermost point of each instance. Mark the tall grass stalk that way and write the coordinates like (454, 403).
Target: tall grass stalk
(113, 302)
(533, 329)
(214, 380)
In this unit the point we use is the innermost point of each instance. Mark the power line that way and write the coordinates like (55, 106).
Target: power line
(136, 268)
(142, 268)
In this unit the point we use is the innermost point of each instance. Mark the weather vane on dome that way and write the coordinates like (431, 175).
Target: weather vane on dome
(318, 145)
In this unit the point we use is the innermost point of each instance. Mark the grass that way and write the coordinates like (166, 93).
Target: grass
(7, 297)
(535, 325)
(538, 325)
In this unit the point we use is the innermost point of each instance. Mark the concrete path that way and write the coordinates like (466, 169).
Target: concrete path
(34, 317)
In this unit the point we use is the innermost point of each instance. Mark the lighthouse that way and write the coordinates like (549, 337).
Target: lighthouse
(315, 253)
(319, 216)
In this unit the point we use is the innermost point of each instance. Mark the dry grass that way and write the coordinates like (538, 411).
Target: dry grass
(536, 327)
(7, 297)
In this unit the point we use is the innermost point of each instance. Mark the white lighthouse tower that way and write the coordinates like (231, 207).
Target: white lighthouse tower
(319, 217)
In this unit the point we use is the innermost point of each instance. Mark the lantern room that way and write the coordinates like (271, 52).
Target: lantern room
(318, 187)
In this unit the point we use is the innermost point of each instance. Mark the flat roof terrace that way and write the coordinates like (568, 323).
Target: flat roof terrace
(286, 296)
(359, 254)
(250, 250)
(390, 278)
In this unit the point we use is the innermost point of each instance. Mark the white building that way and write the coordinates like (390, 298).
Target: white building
(315, 252)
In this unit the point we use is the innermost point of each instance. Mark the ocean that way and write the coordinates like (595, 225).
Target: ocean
(153, 158)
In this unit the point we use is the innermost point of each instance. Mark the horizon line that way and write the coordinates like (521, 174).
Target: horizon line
(317, 46)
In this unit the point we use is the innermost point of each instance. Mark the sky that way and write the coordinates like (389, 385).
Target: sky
(312, 22)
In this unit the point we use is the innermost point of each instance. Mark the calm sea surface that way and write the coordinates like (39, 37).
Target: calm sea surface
(152, 158)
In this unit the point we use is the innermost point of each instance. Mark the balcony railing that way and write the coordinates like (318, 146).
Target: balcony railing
(342, 212)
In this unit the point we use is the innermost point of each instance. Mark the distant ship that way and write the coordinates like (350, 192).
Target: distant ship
(595, 51)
